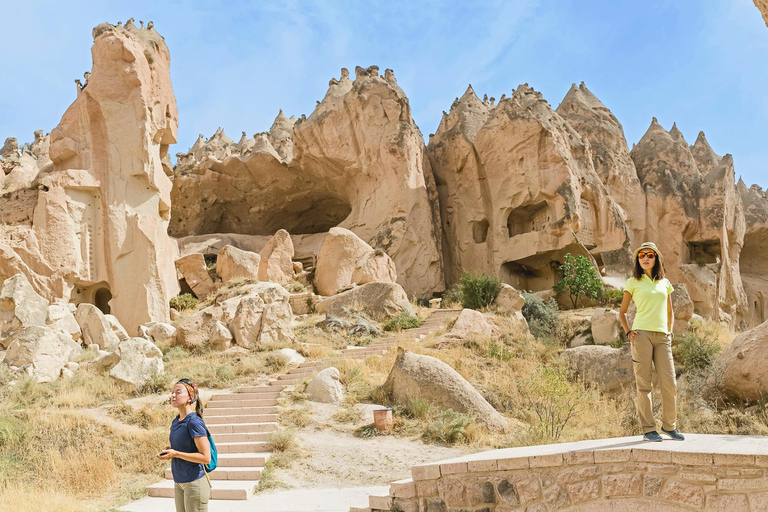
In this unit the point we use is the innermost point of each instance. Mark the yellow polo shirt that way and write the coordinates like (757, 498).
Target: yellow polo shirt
(651, 301)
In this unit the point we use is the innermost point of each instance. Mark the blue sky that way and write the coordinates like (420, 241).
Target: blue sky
(235, 63)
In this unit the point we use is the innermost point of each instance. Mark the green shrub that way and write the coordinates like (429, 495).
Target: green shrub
(296, 287)
(697, 347)
(224, 373)
(184, 301)
(416, 408)
(543, 317)
(499, 351)
(611, 297)
(448, 427)
(453, 296)
(402, 321)
(579, 278)
(282, 440)
(478, 290)
(552, 398)
(276, 361)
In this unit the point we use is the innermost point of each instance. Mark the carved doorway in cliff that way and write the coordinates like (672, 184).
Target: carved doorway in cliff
(101, 300)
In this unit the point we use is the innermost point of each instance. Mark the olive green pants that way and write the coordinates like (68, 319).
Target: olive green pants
(654, 350)
(192, 496)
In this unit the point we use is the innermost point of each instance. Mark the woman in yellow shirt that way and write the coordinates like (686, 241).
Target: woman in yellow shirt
(651, 339)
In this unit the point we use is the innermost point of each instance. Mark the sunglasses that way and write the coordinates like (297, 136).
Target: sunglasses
(649, 255)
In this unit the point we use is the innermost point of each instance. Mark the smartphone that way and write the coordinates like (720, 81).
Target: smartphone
(162, 453)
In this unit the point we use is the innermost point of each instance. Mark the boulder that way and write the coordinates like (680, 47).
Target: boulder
(95, 327)
(195, 330)
(20, 306)
(160, 333)
(420, 376)
(683, 308)
(103, 361)
(606, 327)
(509, 299)
(276, 263)
(345, 259)
(195, 272)
(377, 300)
(140, 361)
(293, 356)
(325, 387)
(61, 319)
(220, 338)
(118, 329)
(276, 320)
(740, 371)
(246, 324)
(233, 263)
(472, 323)
(609, 368)
(40, 348)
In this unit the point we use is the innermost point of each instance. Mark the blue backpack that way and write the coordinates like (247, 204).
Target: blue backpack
(214, 456)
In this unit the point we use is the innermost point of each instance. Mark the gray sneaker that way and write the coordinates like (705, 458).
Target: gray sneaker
(674, 434)
(652, 436)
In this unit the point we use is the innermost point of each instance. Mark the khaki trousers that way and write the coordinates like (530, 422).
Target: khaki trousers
(192, 496)
(654, 349)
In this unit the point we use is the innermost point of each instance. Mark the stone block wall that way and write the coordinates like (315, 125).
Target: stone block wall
(589, 480)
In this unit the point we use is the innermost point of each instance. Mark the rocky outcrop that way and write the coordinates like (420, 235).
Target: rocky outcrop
(325, 387)
(97, 220)
(763, 6)
(263, 316)
(41, 349)
(233, 263)
(20, 306)
(21, 166)
(518, 189)
(96, 328)
(276, 259)
(753, 263)
(509, 300)
(140, 361)
(608, 368)
(740, 371)
(420, 376)
(194, 271)
(377, 300)
(472, 323)
(356, 162)
(344, 260)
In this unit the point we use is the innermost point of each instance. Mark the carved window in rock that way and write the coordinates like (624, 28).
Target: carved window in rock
(480, 231)
(587, 225)
(703, 252)
(532, 217)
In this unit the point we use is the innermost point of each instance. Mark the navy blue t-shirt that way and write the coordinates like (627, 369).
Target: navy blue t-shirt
(182, 433)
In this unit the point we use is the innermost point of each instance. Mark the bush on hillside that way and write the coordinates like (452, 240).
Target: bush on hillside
(478, 290)
(402, 321)
(184, 301)
(579, 278)
(697, 348)
(542, 317)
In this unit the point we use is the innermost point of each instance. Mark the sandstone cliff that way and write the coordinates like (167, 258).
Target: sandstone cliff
(95, 221)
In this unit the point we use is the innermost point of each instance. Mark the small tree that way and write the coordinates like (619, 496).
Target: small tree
(579, 278)
(478, 290)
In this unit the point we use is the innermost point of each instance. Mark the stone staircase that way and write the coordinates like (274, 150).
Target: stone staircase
(241, 422)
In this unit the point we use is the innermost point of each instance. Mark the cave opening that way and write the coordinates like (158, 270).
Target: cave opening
(524, 219)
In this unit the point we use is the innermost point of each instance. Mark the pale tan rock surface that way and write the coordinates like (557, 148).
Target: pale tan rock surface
(59, 317)
(42, 349)
(378, 300)
(221, 338)
(276, 259)
(246, 324)
(518, 189)
(325, 387)
(195, 272)
(509, 299)
(195, 330)
(740, 370)
(472, 323)
(117, 328)
(608, 368)
(96, 328)
(753, 263)
(605, 326)
(263, 316)
(140, 360)
(233, 263)
(20, 306)
(344, 259)
(763, 6)
(160, 333)
(356, 162)
(415, 375)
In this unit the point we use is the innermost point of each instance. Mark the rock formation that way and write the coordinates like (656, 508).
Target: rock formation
(518, 189)
(740, 371)
(92, 226)
(356, 162)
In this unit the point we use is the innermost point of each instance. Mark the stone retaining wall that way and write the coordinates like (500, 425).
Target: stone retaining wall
(722, 473)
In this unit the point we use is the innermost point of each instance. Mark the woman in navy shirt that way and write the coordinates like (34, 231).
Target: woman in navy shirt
(189, 450)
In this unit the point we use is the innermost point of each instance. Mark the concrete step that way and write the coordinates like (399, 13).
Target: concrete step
(230, 473)
(380, 502)
(237, 460)
(306, 371)
(242, 428)
(284, 383)
(223, 404)
(221, 489)
(240, 418)
(250, 437)
(257, 389)
(273, 394)
(294, 376)
(243, 447)
(230, 411)
(311, 364)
